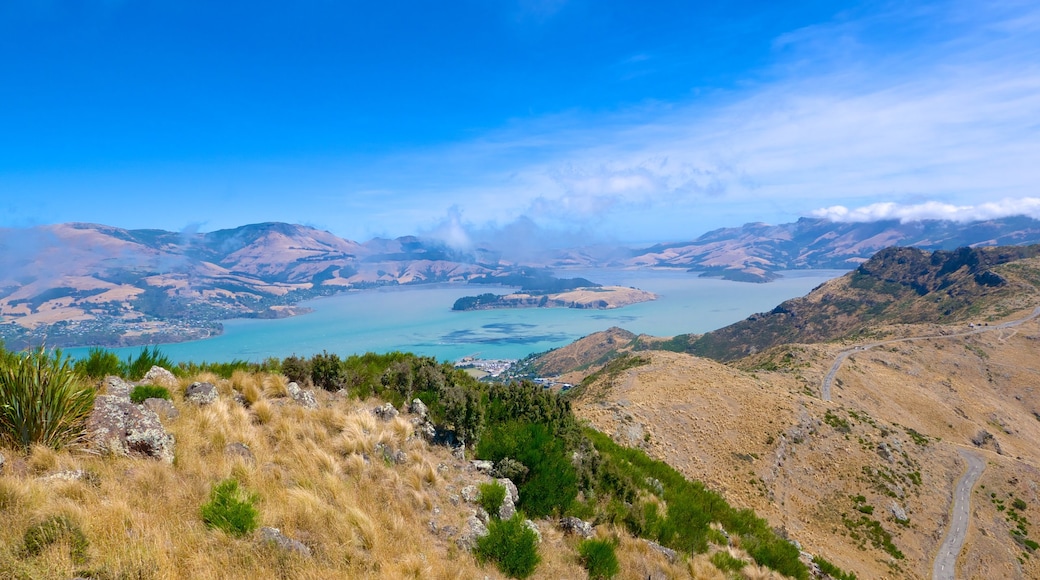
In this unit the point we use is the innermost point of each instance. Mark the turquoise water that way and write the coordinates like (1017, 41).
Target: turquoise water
(419, 319)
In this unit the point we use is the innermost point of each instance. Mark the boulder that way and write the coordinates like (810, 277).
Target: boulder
(474, 531)
(668, 553)
(534, 528)
(417, 407)
(161, 407)
(898, 512)
(508, 507)
(577, 527)
(471, 494)
(116, 387)
(2, 459)
(119, 427)
(303, 397)
(201, 393)
(160, 376)
(481, 465)
(275, 537)
(240, 450)
(385, 412)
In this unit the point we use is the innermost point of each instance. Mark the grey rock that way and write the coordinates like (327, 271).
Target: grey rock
(161, 377)
(417, 407)
(474, 531)
(507, 509)
(69, 475)
(471, 494)
(275, 537)
(117, 426)
(481, 465)
(483, 516)
(201, 393)
(2, 460)
(669, 553)
(303, 397)
(898, 512)
(240, 450)
(385, 412)
(161, 407)
(534, 528)
(424, 429)
(116, 387)
(459, 452)
(577, 527)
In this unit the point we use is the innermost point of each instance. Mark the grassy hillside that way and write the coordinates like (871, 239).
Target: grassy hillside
(896, 286)
(356, 493)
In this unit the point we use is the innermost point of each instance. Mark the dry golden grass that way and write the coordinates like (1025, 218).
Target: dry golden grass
(320, 476)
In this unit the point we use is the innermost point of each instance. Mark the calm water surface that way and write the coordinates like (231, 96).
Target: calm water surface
(419, 319)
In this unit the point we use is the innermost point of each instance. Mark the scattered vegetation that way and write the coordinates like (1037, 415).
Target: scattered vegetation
(511, 546)
(142, 392)
(599, 558)
(831, 570)
(58, 529)
(228, 509)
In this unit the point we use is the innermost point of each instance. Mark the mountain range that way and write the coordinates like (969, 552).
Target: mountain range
(77, 283)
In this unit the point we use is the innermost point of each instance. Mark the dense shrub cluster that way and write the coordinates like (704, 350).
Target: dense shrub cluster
(598, 558)
(511, 545)
(491, 497)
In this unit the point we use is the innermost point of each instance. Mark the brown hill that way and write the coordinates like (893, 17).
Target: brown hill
(897, 285)
(868, 478)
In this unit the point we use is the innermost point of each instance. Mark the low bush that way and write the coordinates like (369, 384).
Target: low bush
(142, 392)
(726, 562)
(53, 530)
(99, 364)
(135, 368)
(831, 570)
(230, 510)
(42, 400)
(511, 545)
(491, 497)
(598, 558)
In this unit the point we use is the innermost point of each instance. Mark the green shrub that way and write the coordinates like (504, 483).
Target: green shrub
(598, 558)
(551, 484)
(832, 570)
(327, 371)
(135, 369)
(491, 497)
(228, 510)
(41, 400)
(511, 545)
(1018, 504)
(297, 369)
(53, 530)
(142, 392)
(100, 363)
(727, 563)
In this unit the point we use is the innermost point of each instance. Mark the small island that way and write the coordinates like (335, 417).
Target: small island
(549, 292)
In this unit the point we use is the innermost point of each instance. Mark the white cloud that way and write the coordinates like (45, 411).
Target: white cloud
(932, 210)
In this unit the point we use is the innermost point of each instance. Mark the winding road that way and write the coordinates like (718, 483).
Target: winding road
(825, 388)
(946, 559)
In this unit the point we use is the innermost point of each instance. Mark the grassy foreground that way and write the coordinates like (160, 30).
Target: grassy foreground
(367, 497)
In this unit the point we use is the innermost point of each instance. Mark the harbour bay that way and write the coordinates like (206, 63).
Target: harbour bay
(419, 319)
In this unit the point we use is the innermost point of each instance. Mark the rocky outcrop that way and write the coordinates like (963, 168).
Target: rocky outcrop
(119, 427)
(275, 537)
(201, 393)
(116, 387)
(161, 407)
(508, 507)
(302, 397)
(386, 412)
(161, 377)
(475, 529)
(573, 526)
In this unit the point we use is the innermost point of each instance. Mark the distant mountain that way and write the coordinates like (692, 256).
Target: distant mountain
(896, 286)
(755, 252)
(76, 283)
(93, 284)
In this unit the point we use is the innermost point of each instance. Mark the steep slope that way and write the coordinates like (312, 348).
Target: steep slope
(897, 285)
(868, 478)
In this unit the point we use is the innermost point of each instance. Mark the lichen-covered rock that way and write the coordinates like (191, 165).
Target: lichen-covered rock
(302, 397)
(508, 507)
(119, 427)
(161, 407)
(481, 465)
(385, 412)
(577, 527)
(275, 537)
(116, 387)
(160, 376)
(470, 493)
(898, 512)
(534, 528)
(201, 393)
(417, 407)
(669, 553)
(474, 531)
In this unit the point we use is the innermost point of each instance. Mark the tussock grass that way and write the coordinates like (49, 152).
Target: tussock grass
(318, 475)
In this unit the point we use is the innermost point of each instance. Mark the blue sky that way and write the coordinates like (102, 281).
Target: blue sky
(628, 121)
